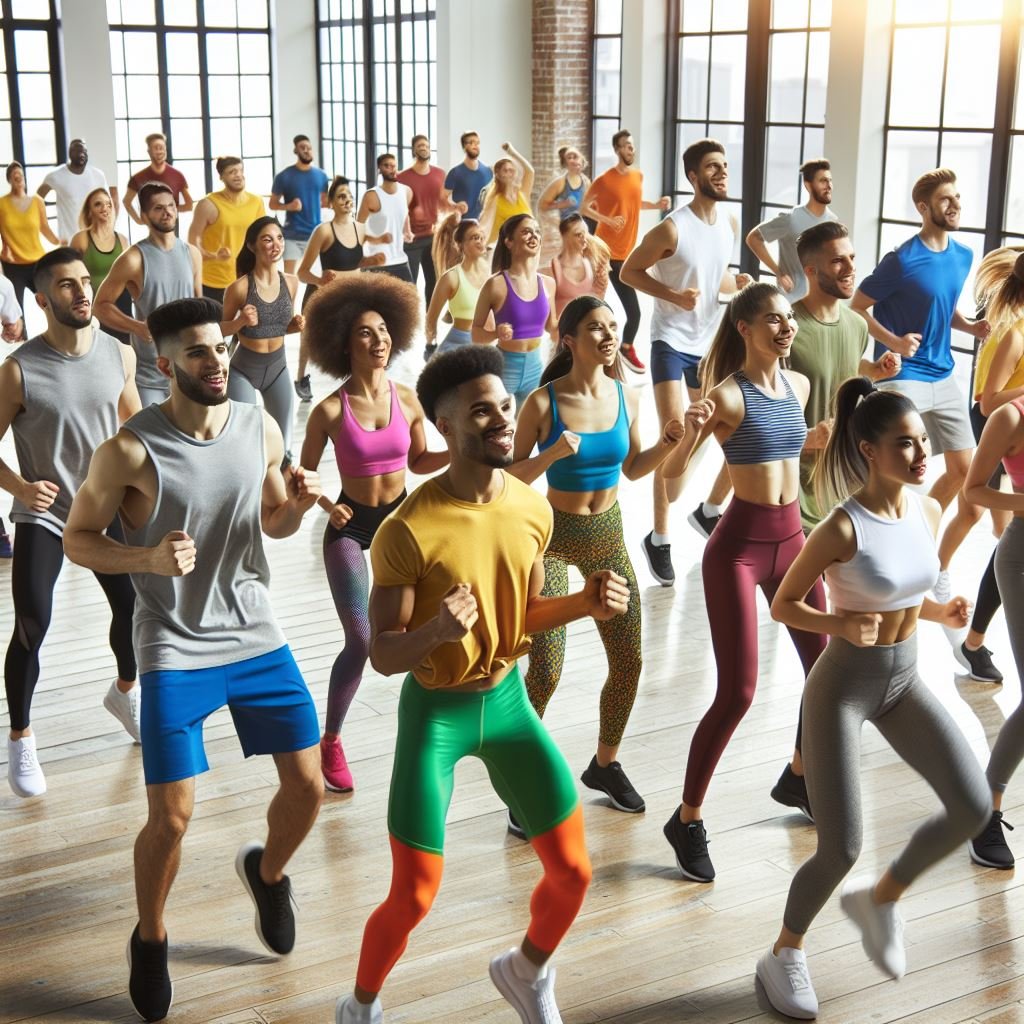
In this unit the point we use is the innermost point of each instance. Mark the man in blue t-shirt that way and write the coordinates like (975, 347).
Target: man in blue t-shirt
(301, 190)
(464, 182)
(913, 293)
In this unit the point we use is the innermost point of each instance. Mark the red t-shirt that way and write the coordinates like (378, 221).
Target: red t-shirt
(173, 179)
(619, 195)
(426, 194)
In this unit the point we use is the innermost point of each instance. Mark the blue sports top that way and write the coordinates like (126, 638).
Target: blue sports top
(771, 429)
(575, 195)
(597, 462)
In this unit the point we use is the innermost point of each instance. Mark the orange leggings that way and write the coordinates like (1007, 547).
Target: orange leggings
(416, 877)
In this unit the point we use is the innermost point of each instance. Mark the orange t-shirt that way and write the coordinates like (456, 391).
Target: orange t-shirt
(619, 195)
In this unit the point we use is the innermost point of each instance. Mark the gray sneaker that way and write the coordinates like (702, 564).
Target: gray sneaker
(304, 389)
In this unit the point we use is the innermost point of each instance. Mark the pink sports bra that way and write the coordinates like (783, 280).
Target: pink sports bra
(566, 289)
(1014, 464)
(362, 452)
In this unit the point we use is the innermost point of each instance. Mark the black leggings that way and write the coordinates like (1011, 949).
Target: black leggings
(418, 252)
(989, 601)
(38, 557)
(630, 303)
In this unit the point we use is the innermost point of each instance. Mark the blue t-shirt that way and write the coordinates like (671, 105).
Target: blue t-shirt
(465, 186)
(916, 291)
(309, 186)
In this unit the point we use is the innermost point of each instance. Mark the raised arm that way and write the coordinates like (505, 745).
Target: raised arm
(528, 172)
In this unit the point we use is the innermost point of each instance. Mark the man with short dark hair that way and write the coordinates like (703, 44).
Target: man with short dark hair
(196, 482)
(159, 170)
(785, 227)
(300, 190)
(427, 184)
(71, 183)
(62, 394)
(385, 212)
(466, 180)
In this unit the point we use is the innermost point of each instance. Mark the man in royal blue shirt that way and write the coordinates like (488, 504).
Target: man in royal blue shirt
(914, 292)
(465, 181)
(301, 190)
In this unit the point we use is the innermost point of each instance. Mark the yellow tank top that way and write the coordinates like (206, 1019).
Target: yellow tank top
(503, 209)
(233, 218)
(20, 229)
(462, 305)
(987, 354)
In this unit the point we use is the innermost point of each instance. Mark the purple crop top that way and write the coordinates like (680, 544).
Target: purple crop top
(528, 318)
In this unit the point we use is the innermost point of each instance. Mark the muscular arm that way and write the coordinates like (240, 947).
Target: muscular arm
(287, 494)
(365, 207)
(128, 403)
(861, 304)
(393, 647)
(657, 244)
(205, 215)
(125, 272)
(11, 397)
(757, 245)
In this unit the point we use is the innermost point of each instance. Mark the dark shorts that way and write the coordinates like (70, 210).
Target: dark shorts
(268, 699)
(365, 521)
(669, 365)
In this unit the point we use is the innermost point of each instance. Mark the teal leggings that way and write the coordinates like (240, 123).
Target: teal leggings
(437, 728)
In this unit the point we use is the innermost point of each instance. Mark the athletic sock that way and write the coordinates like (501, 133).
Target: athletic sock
(711, 510)
(525, 969)
(659, 540)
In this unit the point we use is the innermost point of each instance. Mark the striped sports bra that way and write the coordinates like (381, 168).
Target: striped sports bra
(462, 305)
(362, 452)
(528, 317)
(772, 429)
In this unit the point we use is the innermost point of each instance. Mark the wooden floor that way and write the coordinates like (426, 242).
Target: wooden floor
(648, 948)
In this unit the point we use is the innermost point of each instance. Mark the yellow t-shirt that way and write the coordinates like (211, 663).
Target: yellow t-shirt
(503, 209)
(228, 229)
(987, 354)
(433, 541)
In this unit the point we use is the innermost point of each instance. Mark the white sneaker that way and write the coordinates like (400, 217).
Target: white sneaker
(787, 983)
(125, 708)
(23, 771)
(881, 927)
(534, 1002)
(348, 1010)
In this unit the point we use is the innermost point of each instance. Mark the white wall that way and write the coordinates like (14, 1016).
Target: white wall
(295, 75)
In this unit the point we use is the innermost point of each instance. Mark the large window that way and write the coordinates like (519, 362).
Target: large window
(31, 101)
(606, 89)
(198, 71)
(378, 81)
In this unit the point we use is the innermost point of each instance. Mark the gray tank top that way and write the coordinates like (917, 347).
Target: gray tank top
(220, 613)
(167, 275)
(70, 410)
(274, 317)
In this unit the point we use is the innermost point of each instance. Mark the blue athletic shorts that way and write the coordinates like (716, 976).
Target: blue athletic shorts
(269, 702)
(668, 364)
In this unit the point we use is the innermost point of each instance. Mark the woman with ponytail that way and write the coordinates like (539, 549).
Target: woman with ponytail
(877, 552)
(755, 411)
(581, 268)
(586, 428)
(259, 362)
(460, 285)
(564, 194)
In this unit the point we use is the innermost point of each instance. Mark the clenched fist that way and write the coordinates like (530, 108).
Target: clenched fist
(249, 314)
(698, 413)
(340, 516)
(40, 495)
(458, 613)
(673, 432)
(862, 630)
(606, 594)
(568, 444)
(303, 487)
(505, 332)
(175, 555)
(686, 298)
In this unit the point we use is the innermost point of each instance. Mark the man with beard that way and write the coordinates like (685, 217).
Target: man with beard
(195, 480)
(786, 227)
(464, 183)
(385, 211)
(909, 304)
(615, 200)
(62, 394)
(684, 264)
(301, 190)
(456, 595)
(161, 171)
(155, 270)
(427, 184)
(71, 183)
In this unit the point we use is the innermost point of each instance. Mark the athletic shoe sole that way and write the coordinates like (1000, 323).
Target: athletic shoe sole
(686, 874)
(337, 789)
(981, 862)
(514, 829)
(962, 661)
(780, 796)
(240, 871)
(127, 722)
(615, 803)
(142, 1016)
(768, 990)
(650, 566)
(696, 524)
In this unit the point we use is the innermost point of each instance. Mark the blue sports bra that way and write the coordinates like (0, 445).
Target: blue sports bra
(772, 429)
(597, 463)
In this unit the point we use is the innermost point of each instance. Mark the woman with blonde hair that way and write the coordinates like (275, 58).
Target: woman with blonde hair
(508, 194)
(581, 268)
(100, 244)
(564, 194)
(460, 284)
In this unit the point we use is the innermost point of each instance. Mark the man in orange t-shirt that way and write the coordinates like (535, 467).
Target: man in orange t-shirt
(615, 200)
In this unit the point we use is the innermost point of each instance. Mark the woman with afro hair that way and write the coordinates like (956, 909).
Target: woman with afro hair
(354, 325)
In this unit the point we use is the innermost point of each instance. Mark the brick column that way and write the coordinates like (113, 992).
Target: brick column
(561, 93)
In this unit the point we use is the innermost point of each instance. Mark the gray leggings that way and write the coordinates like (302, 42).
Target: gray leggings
(1009, 746)
(847, 687)
(267, 373)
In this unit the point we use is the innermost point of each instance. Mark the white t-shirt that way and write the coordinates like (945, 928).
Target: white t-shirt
(71, 190)
(785, 228)
(10, 311)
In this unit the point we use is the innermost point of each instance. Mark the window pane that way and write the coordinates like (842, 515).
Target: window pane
(976, 10)
(187, 139)
(253, 54)
(184, 96)
(916, 83)
(814, 144)
(220, 13)
(908, 155)
(32, 50)
(140, 53)
(116, 52)
(693, 76)
(222, 53)
(728, 75)
(729, 15)
(36, 97)
(143, 95)
(38, 139)
(5, 105)
(180, 12)
(1014, 220)
(786, 85)
(225, 137)
(607, 53)
(971, 76)
(38, 9)
(910, 12)
(782, 158)
(821, 14)
(789, 13)
(969, 154)
(252, 15)
(256, 141)
(255, 91)
(608, 17)
(182, 53)
(224, 100)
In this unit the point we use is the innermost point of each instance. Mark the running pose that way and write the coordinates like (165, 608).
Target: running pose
(459, 286)
(877, 551)
(354, 327)
(456, 595)
(581, 267)
(564, 194)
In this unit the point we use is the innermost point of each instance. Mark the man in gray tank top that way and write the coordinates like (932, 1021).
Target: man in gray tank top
(62, 394)
(199, 473)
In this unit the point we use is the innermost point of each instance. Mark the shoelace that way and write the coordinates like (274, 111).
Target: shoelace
(997, 823)
(698, 837)
(798, 977)
(280, 900)
(152, 965)
(27, 760)
(545, 990)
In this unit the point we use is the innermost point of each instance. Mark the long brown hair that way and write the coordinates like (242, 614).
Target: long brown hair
(728, 351)
(568, 324)
(446, 249)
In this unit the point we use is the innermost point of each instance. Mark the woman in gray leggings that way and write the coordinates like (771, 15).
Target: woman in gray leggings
(877, 553)
(259, 362)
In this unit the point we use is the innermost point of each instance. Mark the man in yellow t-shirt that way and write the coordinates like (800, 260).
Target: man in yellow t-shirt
(458, 570)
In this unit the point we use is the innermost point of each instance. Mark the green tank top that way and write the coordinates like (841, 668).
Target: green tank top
(98, 262)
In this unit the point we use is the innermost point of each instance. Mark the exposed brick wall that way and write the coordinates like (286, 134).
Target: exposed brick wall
(561, 92)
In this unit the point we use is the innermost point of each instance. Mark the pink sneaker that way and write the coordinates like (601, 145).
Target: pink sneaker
(334, 767)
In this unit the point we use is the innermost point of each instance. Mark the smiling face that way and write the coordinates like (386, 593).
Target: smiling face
(835, 268)
(943, 208)
(770, 333)
(17, 179)
(369, 342)
(157, 150)
(199, 365)
(269, 244)
(573, 161)
(711, 179)
(101, 208)
(234, 177)
(901, 453)
(474, 243)
(596, 341)
(421, 149)
(477, 420)
(577, 238)
(525, 240)
(505, 173)
(67, 295)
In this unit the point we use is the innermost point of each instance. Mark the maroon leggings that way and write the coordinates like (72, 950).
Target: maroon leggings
(752, 545)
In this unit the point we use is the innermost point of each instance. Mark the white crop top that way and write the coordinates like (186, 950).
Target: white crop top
(895, 564)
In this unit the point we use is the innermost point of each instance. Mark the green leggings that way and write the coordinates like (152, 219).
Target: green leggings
(437, 728)
(590, 543)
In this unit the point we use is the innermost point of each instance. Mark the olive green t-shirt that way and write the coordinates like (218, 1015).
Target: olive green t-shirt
(827, 354)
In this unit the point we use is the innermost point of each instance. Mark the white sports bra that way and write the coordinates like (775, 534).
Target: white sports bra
(894, 566)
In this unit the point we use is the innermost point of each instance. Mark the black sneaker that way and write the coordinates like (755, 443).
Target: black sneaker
(989, 848)
(978, 663)
(514, 827)
(612, 781)
(659, 561)
(690, 843)
(428, 352)
(275, 916)
(149, 984)
(791, 791)
(304, 389)
(703, 524)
